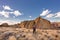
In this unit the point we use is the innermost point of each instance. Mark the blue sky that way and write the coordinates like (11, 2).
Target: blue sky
(19, 10)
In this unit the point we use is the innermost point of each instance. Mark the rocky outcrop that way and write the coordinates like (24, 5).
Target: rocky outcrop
(38, 22)
(27, 24)
(4, 25)
(42, 23)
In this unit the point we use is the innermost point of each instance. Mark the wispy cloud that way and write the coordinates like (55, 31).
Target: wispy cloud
(45, 12)
(57, 14)
(50, 15)
(5, 14)
(7, 7)
(17, 13)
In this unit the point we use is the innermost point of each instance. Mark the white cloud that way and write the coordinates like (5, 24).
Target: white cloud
(7, 7)
(30, 16)
(17, 13)
(45, 12)
(49, 15)
(57, 14)
(5, 14)
(53, 17)
(10, 22)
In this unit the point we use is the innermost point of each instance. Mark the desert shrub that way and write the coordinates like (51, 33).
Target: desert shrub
(22, 31)
(47, 36)
(42, 30)
(42, 38)
(56, 36)
(51, 38)
(26, 39)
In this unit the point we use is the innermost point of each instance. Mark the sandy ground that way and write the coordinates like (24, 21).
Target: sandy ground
(8, 33)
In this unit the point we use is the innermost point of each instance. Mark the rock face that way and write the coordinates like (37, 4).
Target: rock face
(42, 23)
(27, 24)
(38, 22)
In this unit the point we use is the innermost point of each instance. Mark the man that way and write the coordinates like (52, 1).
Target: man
(34, 29)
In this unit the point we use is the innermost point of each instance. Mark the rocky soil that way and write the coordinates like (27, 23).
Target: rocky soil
(9, 33)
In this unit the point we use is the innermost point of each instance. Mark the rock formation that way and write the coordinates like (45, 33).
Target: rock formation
(4, 25)
(42, 23)
(38, 22)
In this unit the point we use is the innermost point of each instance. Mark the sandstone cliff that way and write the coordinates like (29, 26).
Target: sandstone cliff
(38, 22)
